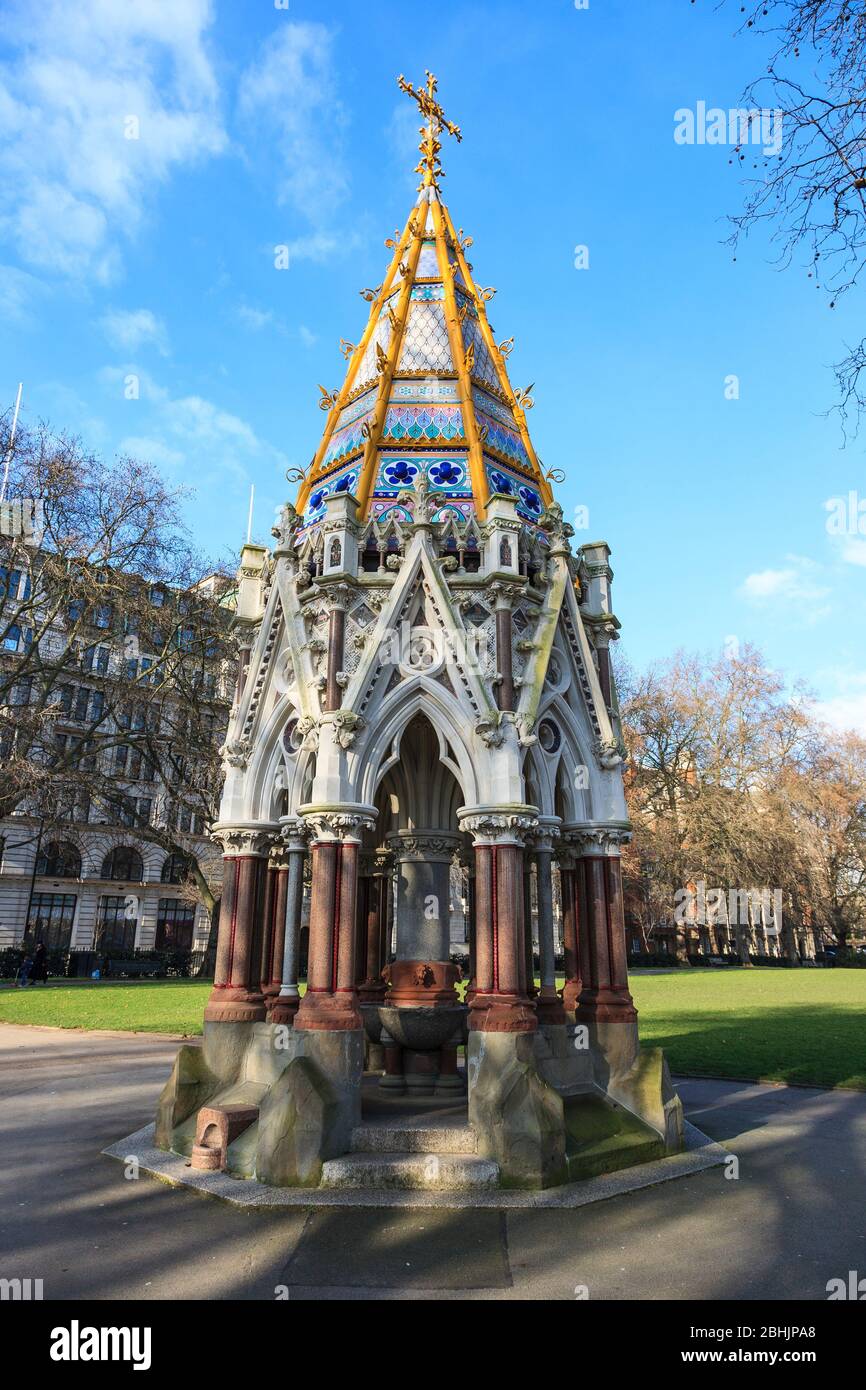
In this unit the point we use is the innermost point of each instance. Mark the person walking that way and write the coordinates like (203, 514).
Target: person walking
(24, 972)
(40, 964)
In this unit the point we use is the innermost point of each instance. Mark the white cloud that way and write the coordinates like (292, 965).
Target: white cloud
(319, 247)
(307, 337)
(288, 97)
(131, 329)
(256, 319)
(19, 293)
(153, 450)
(797, 582)
(189, 433)
(854, 552)
(844, 712)
(77, 75)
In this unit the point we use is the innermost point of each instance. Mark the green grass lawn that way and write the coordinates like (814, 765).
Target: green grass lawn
(803, 1026)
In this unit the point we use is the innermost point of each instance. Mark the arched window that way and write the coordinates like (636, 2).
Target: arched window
(123, 863)
(176, 868)
(59, 859)
(175, 920)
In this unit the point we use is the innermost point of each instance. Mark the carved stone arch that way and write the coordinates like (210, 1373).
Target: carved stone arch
(538, 781)
(273, 771)
(421, 785)
(568, 780)
(448, 719)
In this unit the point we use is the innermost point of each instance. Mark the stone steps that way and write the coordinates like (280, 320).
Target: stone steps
(425, 1172)
(413, 1139)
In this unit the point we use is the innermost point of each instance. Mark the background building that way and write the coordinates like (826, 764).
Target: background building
(102, 863)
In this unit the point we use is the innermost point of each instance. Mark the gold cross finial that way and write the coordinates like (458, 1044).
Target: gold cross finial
(430, 167)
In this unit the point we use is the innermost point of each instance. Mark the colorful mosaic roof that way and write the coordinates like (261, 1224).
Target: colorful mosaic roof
(426, 387)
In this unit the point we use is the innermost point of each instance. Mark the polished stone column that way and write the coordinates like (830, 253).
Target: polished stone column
(528, 971)
(285, 1006)
(236, 996)
(548, 1004)
(573, 919)
(605, 996)
(338, 597)
(467, 860)
(331, 1002)
(379, 866)
(269, 987)
(423, 860)
(500, 1003)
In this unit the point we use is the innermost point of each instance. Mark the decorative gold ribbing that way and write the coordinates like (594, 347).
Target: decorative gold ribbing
(462, 366)
(498, 359)
(430, 167)
(388, 366)
(338, 401)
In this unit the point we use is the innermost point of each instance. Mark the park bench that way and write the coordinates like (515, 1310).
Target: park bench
(135, 967)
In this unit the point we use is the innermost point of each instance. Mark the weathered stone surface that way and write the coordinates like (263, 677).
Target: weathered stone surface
(429, 1172)
(224, 1046)
(603, 1137)
(190, 1084)
(518, 1118)
(561, 1059)
(648, 1092)
(299, 1127)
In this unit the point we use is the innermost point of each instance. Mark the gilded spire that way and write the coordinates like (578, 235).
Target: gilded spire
(430, 167)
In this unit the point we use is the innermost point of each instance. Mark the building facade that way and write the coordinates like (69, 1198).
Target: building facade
(101, 865)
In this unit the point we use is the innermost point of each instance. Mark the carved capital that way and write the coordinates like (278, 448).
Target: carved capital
(599, 839)
(338, 822)
(494, 823)
(238, 840)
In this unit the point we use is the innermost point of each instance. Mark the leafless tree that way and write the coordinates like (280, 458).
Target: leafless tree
(114, 652)
(812, 194)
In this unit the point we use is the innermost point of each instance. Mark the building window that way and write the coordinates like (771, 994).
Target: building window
(115, 929)
(59, 859)
(176, 868)
(50, 919)
(124, 863)
(174, 924)
(17, 639)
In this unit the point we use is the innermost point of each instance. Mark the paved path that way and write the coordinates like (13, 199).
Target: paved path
(793, 1219)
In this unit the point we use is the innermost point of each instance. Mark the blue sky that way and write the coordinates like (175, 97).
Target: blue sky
(260, 126)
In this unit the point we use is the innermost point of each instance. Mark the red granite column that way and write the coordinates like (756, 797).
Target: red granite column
(268, 887)
(331, 1001)
(276, 929)
(500, 1003)
(375, 914)
(605, 995)
(236, 996)
(570, 882)
(470, 903)
(528, 973)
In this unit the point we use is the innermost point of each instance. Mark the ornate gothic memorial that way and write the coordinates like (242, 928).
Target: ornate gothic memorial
(425, 700)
